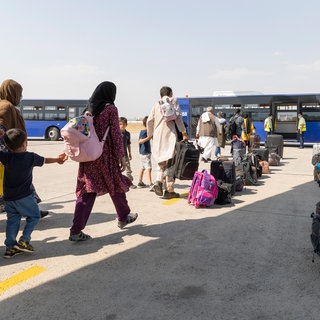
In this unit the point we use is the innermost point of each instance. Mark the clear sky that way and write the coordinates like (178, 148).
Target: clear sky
(65, 48)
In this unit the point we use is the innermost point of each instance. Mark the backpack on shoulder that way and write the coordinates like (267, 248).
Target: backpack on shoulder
(81, 142)
(167, 109)
(315, 231)
(204, 190)
(231, 129)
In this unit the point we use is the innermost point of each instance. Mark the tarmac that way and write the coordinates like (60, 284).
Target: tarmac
(251, 259)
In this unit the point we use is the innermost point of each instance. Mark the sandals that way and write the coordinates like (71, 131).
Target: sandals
(80, 237)
(132, 217)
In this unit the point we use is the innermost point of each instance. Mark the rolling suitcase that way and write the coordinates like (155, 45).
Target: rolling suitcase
(224, 171)
(186, 160)
(275, 141)
(261, 153)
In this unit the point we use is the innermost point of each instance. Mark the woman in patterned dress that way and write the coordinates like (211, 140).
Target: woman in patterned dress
(104, 175)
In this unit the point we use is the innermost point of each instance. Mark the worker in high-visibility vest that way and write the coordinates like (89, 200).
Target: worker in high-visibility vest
(268, 125)
(301, 129)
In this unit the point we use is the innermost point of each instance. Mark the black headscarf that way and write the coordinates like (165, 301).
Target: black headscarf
(104, 93)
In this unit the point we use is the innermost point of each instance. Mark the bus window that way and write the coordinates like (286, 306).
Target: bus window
(286, 116)
(32, 112)
(55, 113)
(72, 112)
(311, 112)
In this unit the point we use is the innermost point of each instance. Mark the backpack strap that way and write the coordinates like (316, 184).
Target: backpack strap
(105, 134)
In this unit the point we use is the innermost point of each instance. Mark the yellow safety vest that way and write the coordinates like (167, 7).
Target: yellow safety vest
(302, 124)
(268, 125)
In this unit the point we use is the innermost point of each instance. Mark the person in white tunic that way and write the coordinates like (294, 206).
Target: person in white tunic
(207, 133)
(164, 137)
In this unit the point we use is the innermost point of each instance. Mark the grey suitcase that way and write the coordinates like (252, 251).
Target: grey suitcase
(275, 141)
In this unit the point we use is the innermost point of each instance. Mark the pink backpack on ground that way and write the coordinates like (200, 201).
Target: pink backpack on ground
(204, 189)
(81, 142)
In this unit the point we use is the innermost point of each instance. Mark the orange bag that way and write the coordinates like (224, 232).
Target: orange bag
(265, 167)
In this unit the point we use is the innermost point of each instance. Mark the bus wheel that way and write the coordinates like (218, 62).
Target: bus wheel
(53, 134)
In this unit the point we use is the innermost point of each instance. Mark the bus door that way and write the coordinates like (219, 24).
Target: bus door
(285, 120)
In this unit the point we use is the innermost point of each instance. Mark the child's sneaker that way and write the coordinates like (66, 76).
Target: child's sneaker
(11, 252)
(24, 246)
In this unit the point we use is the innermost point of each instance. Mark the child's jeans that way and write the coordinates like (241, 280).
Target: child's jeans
(25, 207)
(217, 151)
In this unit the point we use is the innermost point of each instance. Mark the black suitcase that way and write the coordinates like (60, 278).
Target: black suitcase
(275, 141)
(224, 171)
(186, 160)
(262, 153)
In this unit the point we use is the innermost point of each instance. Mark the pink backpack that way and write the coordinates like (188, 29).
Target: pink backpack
(204, 189)
(81, 142)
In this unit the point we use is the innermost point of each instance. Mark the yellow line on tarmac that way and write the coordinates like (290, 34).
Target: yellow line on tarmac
(174, 200)
(20, 277)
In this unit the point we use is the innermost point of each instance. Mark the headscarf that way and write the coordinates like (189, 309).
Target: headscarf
(104, 93)
(10, 95)
(11, 91)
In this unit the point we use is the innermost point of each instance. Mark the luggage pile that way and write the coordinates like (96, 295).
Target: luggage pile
(241, 169)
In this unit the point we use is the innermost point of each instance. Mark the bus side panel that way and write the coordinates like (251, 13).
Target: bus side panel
(37, 129)
(313, 132)
(259, 127)
(184, 104)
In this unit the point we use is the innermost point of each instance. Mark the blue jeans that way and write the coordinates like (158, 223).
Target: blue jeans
(25, 207)
(267, 134)
(218, 151)
(301, 139)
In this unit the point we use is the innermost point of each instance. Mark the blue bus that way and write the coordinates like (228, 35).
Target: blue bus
(283, 107)
(45, 118)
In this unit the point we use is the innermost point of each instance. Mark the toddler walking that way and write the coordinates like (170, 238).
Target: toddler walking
(145, 156)
(18, 190)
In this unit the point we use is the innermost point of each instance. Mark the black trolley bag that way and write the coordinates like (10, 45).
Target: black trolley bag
(224, 193)
(262, 153)
(224, 171)
(275, 141)
(186, 161)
